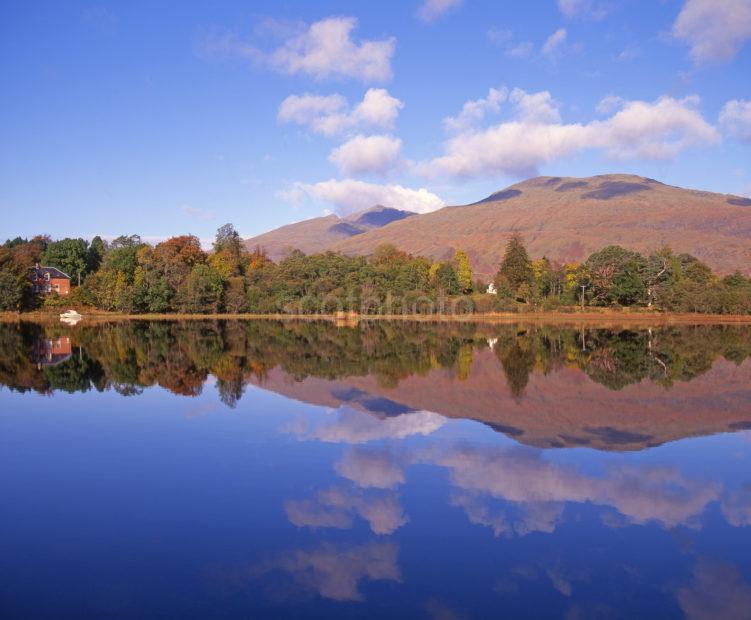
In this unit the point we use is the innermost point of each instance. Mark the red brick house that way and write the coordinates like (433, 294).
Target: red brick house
(50, 280)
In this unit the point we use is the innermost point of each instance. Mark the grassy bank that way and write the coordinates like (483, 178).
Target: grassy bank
(602, 316)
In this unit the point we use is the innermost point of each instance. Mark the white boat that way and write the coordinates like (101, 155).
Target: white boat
(70, 317)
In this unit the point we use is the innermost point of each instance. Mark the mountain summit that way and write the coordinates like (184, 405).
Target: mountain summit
(564, 218)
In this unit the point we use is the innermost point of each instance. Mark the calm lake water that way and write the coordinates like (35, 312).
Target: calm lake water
(266, 469)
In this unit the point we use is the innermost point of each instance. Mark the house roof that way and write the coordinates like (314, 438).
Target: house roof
(53, 271)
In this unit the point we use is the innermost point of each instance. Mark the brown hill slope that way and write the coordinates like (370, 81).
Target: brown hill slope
(569, 218)
(320, 233)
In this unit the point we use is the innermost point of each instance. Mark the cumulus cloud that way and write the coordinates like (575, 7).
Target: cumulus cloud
(335, 571)
(330, 114)
(715, 30)
(535, 107)
(307, 109)
(323, 50)
(431, 10)
(336, 507)
(474, 111)
(366, 154)
(350, 195)
(735, 119)
(657, 130)
(554, 42)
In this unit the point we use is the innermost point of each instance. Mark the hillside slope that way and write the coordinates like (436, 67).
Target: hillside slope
(320, 233)
(567, 219)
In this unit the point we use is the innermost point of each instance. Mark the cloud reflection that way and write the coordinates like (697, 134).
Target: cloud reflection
(379, 468)
(523, 477)
(346, 425)
(717, 591)
(337, 507)
(336, 571)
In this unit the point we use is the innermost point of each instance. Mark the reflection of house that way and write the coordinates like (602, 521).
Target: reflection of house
(49, 351)
(50, 280)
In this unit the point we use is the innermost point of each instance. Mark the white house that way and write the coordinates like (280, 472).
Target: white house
(491, 289)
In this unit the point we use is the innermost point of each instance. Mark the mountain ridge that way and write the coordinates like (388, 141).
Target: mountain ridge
(568, 218)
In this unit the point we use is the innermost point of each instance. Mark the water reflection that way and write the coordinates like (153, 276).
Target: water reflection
(546, 386)
(336, 507)
(351, 479)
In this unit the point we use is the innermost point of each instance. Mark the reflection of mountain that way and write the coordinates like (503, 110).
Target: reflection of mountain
(544, 385)
(561, 408)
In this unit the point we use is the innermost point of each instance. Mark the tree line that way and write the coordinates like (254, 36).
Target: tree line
(128, 275)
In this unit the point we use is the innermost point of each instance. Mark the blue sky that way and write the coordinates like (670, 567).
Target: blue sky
(163, 118)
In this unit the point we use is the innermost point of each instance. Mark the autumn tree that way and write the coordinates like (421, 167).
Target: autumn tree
(516, 268)
(227, 254)
(14, 282)
(177, 256)
(201, 292)
(463, 271)
(617, 276)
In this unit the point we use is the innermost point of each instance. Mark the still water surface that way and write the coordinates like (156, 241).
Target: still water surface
(265, 469)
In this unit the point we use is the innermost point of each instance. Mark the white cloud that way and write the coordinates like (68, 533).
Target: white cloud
(474, 111)
(307, 108)
(431, 10)
(366, 154)
(323, 50)
(714, 29)
(657, 130)
(554, 42)
(378, 108)
(735, 119)
(609, 103)
(536, 107)
(330, 115)
(350, 195)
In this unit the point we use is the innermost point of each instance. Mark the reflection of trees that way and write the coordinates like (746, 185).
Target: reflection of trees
(517, 354)
(179, 356)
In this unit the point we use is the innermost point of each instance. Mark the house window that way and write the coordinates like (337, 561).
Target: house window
(47, 276)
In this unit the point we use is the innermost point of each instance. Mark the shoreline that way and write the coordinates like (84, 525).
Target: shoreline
(605, 316)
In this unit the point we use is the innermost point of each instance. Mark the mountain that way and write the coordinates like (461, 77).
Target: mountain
(320, 233)
(566, 219)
